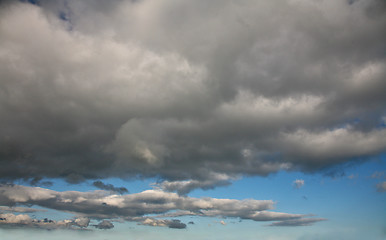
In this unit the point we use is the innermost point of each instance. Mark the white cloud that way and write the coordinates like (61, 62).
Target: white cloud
(298, 183)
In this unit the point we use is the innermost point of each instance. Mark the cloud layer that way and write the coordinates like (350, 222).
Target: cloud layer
(145, 208)
(189, 90)
(24, 220)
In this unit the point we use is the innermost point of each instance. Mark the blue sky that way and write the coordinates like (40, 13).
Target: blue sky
(193, 119)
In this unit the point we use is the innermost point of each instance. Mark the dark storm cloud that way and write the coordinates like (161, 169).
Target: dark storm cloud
(139, 207)
(170, 90)
(110, 187)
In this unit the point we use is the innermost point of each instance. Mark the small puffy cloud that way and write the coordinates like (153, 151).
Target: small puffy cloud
(82, 222)
(105, 224)
(109, 187)
(298, 183)
(381, 187)
(223, 223)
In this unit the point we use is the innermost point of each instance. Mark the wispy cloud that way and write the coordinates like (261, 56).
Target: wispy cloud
(298, 183)
(381, 187)
(378, 175)
(297, 222)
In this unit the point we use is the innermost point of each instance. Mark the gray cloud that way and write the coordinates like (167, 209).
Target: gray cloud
(184, 187)
(110, 187)
(297, 222)
(104, 225)
(137, 207)
(108, 90)
(82, 222)
(20, 209)
(381, 187)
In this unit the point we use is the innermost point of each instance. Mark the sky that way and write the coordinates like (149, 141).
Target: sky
(145, 119)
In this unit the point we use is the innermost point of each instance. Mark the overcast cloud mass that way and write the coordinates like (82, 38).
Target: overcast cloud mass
(193, 93)
(130, 88)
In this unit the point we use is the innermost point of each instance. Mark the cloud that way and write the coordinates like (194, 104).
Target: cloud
(24, 220)
(298, 183)
(184, 187)
(109, 187)
(163, 223)
(381, 187)
(20, 209)
(141, 207)
(82, 222)
(88, 93)
(104, 225)
(297, 222)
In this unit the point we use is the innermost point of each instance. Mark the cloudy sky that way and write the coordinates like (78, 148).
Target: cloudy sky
(222, 119)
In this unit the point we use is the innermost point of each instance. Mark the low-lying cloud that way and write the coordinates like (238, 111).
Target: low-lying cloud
(105, 224)
(24, 220)
(144, 208)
